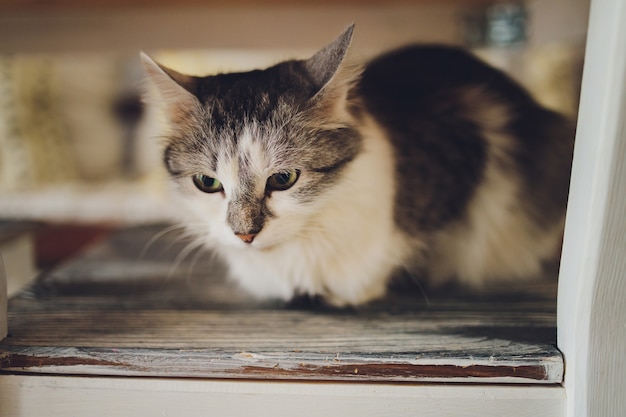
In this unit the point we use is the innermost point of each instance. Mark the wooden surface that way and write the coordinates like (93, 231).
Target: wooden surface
(127, 309)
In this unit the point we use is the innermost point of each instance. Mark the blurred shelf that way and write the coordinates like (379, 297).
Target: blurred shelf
(126, 4)
(308, 25)
(105, 203)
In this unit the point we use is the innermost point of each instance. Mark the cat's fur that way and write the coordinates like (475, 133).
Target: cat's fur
(426, 160)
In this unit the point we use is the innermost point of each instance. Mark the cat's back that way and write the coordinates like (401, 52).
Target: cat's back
(413, 75)
(478, 162)
(449, 115)
(433, 102)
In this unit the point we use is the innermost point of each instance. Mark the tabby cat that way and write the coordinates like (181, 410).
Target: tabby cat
(319, 178)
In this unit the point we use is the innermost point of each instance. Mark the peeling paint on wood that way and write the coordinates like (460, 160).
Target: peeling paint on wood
(274, 365)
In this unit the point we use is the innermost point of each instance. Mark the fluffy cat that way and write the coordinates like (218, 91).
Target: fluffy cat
(314, 177)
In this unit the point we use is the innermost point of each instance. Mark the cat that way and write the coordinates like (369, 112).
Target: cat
(321, 178)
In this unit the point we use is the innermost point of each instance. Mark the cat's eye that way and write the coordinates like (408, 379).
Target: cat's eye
(207, 184)
(283, 180)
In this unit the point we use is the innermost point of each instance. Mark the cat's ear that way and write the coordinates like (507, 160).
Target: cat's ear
(323, 66)
(175, 89)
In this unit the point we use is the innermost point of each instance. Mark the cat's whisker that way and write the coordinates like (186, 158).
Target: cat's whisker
(156, 237)
(419, 285)
(199, 250)
(185, 234)
(182, 255)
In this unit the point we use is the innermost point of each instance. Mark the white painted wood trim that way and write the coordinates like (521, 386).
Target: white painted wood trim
(137, 397)
(592, 291)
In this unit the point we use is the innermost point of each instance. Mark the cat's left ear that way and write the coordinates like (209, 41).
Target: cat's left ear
(175, 89)
(323, 66)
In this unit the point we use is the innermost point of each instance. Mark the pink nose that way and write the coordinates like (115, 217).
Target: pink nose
(246, 238)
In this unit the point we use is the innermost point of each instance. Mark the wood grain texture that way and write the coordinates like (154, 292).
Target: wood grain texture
(123, 309)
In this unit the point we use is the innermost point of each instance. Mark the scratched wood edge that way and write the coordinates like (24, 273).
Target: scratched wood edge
(116, 354)
(247, 365)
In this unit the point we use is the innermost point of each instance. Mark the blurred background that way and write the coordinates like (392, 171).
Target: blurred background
(78, 146)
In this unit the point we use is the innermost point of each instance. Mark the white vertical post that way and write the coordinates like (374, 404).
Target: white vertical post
(592, 286)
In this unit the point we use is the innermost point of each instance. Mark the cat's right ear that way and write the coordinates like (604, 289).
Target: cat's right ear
(174, 89)
(323, 66)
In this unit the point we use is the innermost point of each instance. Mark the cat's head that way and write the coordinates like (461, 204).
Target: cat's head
(255, 154)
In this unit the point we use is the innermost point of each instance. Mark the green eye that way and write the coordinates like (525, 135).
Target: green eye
(207, 184)
(283, 180)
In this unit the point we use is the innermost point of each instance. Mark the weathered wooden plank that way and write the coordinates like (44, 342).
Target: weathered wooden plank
(125, 310)
(400, 367)
(283, 345)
